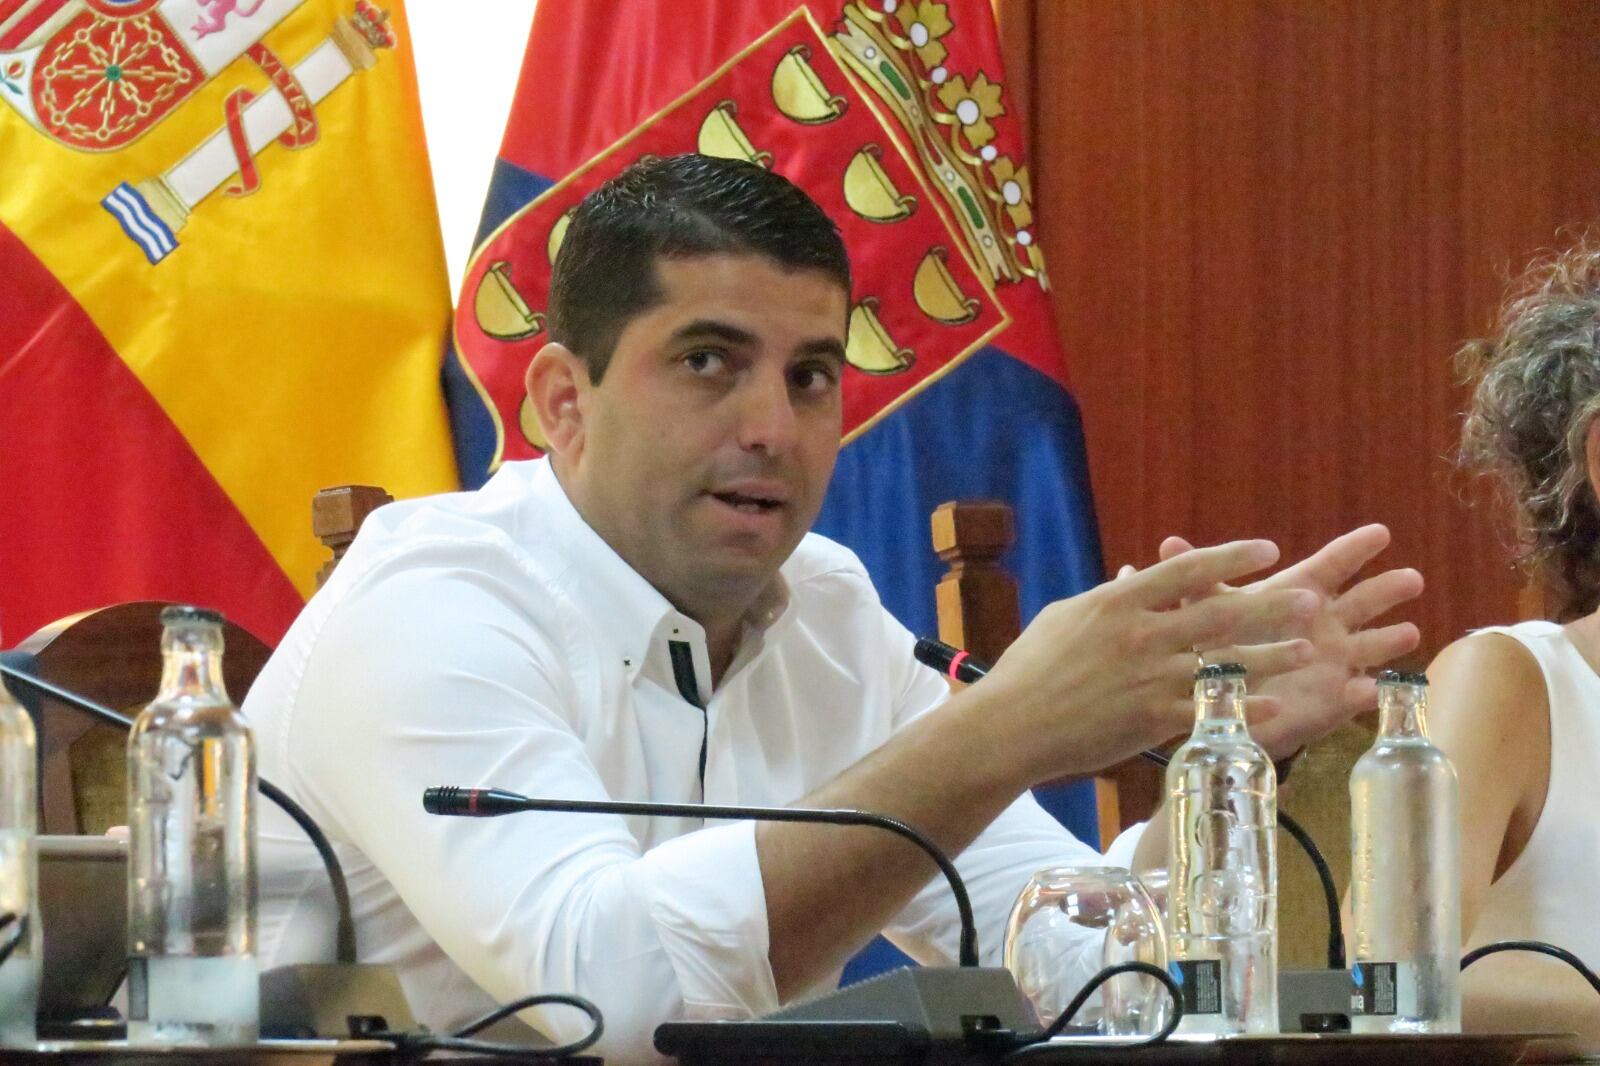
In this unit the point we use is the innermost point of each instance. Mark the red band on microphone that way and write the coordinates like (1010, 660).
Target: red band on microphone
(472, 800)
(955, 664)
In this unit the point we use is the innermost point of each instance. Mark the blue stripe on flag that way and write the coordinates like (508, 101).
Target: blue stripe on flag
(510, 188)
(471, 425)
(140, 223)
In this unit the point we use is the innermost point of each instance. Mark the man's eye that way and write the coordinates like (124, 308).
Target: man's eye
(814, 377)
(704, 362)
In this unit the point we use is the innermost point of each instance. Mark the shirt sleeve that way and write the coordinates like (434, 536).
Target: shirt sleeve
(423, 679)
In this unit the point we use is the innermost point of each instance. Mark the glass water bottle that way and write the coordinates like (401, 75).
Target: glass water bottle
(192, 972)
(1405, 872)
(1222, 905)
(21, 939)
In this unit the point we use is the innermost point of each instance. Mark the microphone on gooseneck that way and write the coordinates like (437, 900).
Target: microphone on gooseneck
(493, 802)
(952, 662)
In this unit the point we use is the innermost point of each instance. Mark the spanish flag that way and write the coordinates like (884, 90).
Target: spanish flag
(222, 287)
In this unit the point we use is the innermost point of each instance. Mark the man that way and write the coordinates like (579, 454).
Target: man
(644, 616)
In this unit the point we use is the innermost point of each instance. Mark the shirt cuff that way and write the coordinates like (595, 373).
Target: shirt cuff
(1120, 853)
(703, 892)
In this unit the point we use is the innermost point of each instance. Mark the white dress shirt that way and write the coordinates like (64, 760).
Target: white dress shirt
(494, 639)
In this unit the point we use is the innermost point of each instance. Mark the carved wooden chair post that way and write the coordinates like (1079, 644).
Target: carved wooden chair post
(978, 610)
(336, 517)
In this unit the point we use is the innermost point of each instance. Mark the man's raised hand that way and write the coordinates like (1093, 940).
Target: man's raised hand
(1329, 685)
(1098, 677)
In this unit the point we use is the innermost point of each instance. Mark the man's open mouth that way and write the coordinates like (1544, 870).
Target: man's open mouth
(750, 504)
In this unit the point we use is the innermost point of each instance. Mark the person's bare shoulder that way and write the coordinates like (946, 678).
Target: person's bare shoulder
(1488, 683)
(1489, 711)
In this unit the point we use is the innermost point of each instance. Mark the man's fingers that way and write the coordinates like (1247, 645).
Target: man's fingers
(1376, 595)
(1338, 561)
(1244, 618)
(1267, 660)
(1173, 547)
(1260, 710)
(1194, 572)
(1374, 647)
(1360, 694)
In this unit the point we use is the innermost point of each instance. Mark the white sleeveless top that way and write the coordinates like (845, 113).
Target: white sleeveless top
(1550, 890)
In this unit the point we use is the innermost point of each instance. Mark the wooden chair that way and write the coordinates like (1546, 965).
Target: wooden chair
(979, 611)
(113, 656)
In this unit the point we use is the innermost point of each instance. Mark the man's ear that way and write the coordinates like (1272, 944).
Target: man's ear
(558, 383)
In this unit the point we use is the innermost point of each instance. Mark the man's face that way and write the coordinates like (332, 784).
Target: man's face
(706, 448)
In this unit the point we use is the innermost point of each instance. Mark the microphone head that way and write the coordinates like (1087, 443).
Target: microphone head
(934, 653)
(952, 662)
(445, 799)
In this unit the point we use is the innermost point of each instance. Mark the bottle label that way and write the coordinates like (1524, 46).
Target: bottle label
(1200, 981)
(1372, 988)
(138, 989)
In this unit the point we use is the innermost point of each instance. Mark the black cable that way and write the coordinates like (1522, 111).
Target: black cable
(6, 919)
(344, 945)
(1538, 947)
(420, 1045)
(345, 936)
(1055, 1028)
(1330, 894)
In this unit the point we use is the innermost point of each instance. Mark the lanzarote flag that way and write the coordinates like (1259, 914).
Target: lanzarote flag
(894, 116)
(222, 287)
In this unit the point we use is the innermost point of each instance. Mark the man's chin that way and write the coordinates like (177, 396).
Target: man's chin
(744, 559)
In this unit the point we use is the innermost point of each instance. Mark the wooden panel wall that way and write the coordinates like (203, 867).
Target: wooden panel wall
(1269, 224)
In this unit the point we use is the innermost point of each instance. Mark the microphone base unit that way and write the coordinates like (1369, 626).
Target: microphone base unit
(333, 1000)
(928, 1015)
(1314, 1001)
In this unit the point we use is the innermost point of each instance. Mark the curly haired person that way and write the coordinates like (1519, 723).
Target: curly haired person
(1517, 708)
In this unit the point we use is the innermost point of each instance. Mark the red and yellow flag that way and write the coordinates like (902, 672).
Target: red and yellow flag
(221, 288)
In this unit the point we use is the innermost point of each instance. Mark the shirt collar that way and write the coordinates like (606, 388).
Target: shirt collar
(634, 614)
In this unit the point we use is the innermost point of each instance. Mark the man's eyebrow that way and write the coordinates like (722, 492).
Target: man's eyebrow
(714, 329)
(711, 329)
(824, 346)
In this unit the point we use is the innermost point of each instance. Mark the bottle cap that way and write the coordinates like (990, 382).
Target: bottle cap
(184, 615)
(1403, 677)
(1217, 670)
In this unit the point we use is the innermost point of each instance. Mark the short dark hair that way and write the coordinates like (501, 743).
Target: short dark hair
(677, 206)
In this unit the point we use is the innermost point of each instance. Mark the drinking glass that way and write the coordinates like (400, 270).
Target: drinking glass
(1069, 923)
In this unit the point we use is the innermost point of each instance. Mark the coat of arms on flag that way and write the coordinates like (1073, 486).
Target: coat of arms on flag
(97, 75)
(932, 223)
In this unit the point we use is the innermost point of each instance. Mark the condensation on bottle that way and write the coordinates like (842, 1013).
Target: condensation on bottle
(192, 888)
(21, 937)
(1405, 872)
(1222, 903)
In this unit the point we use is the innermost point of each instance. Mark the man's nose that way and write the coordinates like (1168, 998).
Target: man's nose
(767, 418)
